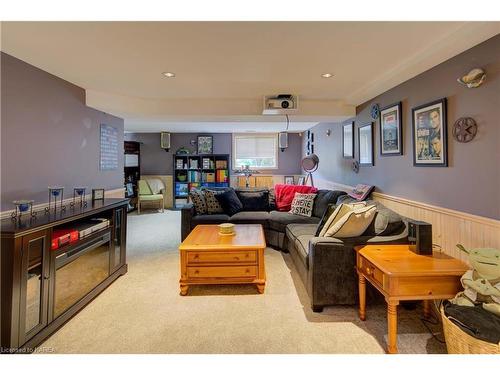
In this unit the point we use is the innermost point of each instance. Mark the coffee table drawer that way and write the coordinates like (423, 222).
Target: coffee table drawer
(211, 272)
(368, 269)
(221, 257)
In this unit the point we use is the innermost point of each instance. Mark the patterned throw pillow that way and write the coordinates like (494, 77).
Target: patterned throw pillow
(213, 205)
(302, 204)
(338, 212)
(198, 201)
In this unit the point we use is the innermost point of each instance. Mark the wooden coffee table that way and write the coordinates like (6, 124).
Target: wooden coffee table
(401, 275)
(210, 258)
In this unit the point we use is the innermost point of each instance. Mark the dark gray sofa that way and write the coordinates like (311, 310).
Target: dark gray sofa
(327, 265)
(274, 222)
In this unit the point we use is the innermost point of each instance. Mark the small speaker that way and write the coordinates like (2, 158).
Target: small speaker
(420, 237)
(283, 141)
(165, 141)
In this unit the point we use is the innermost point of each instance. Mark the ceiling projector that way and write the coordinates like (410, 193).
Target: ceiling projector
(281, 104)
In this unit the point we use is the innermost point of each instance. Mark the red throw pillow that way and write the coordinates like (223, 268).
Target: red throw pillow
(285, 194)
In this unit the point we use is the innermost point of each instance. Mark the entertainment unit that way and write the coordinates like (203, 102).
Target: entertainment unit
(54, 264)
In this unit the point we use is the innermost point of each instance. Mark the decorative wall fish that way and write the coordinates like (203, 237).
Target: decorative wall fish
(473, 79)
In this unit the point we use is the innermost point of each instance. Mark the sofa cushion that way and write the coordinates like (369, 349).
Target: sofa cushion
(209, 219)
(229, 202)
(213, 205)
(251, 217)
(302, 247)
(352, 223)
(198, 200)
(323, 199)
(294, 231)
(279, 220)
(386, 223)
(302, 204)
(257, 200)
(338, 213)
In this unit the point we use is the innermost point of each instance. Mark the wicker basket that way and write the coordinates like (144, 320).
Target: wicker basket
(459, 342)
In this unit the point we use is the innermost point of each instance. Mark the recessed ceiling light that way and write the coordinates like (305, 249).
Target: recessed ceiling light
(327, 75)
(169, 74)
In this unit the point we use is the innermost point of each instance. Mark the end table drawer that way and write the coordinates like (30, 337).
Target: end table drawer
(211, 272)
(222, 257)
(368, 269)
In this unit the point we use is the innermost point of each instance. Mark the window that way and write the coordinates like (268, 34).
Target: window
(259, 151)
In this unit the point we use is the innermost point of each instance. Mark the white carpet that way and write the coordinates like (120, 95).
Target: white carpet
(142, 312)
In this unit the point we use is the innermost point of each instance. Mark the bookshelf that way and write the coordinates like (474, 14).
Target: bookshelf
(196, 171)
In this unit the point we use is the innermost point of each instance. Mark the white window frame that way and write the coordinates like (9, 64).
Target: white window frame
(255, 135)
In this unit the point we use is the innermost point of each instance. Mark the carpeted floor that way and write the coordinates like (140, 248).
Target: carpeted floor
(142, 312)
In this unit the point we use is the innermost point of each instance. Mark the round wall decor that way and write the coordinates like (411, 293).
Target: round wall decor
(464, 129)
(355, 166)
(375, 111)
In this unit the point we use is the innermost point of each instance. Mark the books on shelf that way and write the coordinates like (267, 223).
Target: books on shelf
(221, 164)
(207, 163)
(179, 163)
(194, 176)
(222, 175)
(208, 177)
(181, 189)
(194, 186)
(193, 164)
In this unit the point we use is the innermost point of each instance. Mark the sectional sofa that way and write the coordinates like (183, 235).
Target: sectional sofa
(326, 265)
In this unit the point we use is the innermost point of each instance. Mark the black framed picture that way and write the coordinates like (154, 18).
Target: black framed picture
(348, 140)
(365, 142)
(430, 138)
(205, 144)
(391, 130)
(289, 180)
(97, 195)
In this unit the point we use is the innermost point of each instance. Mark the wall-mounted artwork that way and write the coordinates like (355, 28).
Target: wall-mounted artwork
(109, 148)
(430, 145)
(348, 140)
(205, 144)
(365, 142)
(289, 180)
(391, 130)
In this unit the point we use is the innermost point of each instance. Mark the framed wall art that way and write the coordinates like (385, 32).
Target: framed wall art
(289, 180)
(348, 140)
(430, 143)
(205, 144)
(391, 130)
(365, 142)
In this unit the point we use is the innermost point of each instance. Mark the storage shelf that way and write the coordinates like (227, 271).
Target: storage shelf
(81, 241)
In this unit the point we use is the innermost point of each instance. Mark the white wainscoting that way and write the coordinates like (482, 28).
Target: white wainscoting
(449, 227)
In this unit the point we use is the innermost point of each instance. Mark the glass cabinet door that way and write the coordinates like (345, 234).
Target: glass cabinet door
(34, 285)
(118, 250)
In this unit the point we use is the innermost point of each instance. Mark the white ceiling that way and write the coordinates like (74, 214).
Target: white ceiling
(225, 68)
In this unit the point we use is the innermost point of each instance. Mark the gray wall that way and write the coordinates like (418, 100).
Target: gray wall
(155, 161)
(471, 183)
(48, 136)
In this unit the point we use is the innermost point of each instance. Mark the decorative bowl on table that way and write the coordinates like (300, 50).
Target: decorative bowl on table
(226, 229)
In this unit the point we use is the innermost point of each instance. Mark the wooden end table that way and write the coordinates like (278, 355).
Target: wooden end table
(401, 275)
(208, 257)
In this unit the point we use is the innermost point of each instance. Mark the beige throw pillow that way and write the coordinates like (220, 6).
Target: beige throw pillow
(302, 204)
(353, 223)
(341, 210)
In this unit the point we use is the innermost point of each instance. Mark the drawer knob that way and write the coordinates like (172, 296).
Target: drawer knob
(369, 271)
(247, 270)
(246, 255)
(429, 292)
(196, 272)
(196, 256)
(236, 258)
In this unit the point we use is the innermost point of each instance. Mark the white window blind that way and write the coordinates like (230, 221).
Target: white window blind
(259, 151)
